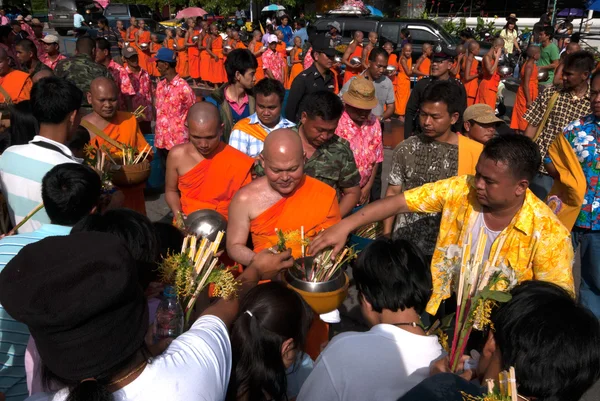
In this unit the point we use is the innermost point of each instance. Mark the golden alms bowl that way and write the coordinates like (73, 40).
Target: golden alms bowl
(323, 297)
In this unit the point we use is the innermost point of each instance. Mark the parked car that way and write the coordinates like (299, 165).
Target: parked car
(421, 30)
(122, 12)
(61, 12)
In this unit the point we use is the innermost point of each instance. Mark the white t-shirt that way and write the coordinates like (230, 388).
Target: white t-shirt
(381, 364)
(491, 236)
(77, 20)
(196, 366)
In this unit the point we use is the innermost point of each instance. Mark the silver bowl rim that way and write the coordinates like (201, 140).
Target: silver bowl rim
(335, 283)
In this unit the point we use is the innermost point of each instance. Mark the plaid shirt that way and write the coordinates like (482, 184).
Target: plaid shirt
(567, 109)
(248, 144)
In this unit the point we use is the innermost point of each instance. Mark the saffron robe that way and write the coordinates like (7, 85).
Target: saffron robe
(313, 205)
(212, 183)
(17, 85)
(124, 129)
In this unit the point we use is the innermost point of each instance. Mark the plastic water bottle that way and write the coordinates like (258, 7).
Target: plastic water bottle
(169, 316)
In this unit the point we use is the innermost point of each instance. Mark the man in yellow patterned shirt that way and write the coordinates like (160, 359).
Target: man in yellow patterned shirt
(496, 199)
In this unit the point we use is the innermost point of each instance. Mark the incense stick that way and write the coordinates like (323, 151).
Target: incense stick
(26, 219)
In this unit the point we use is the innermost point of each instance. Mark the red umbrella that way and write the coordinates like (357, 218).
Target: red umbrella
(191, 12)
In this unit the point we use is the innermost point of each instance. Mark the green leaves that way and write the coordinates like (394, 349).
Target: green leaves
(497, 296)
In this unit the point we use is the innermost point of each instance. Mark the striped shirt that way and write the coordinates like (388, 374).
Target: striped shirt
(248, 144)
(22, 168)
(14, 335)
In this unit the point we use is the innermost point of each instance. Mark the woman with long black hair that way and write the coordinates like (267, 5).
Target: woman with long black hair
(267, 339)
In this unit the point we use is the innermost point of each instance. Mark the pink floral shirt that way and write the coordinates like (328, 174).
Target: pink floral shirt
(173, 100)
(121, 77)
(274, 62)
(143, 92)
(365, 141)
(52, 64)
(308, 59)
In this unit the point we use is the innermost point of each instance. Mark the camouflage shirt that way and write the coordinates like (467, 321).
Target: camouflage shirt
(332, 163)
(81, 70)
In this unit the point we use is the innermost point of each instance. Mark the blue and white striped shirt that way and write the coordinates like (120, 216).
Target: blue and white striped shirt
(14, 335)
(22, 168)
(248, 144)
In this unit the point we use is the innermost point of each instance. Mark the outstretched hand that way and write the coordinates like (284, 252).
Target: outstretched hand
(334, 236)
(269, 264)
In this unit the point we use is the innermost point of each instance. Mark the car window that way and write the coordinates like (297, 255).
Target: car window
(389, 32)
(145, 11)
(350, 26)
(135, 12)
(116, 9)
(420, 36)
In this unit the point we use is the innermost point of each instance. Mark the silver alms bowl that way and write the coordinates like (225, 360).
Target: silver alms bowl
(543, 76)
(293, 278)
(205, 223)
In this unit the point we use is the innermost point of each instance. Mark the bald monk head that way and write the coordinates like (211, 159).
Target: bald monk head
(461, 49)
(427, 49)
(205, 128)
(87, 46)
(474, 48)
(358, 37)
(41, 75)
(4, 63)
(373, 38)
(283, 160)
(498, 43)
(572, 47)
(103, 97)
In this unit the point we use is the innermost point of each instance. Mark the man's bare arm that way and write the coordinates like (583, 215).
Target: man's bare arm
(172, 195)
(531, 130)
(392, 190)
(238, 229)
(336, 236)
(349, 200)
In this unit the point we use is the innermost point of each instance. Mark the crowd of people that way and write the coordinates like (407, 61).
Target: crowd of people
(277, 139)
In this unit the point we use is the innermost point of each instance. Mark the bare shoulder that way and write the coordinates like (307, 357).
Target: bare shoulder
(249, 192)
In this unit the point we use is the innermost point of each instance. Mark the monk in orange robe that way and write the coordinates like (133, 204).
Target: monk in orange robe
(131, 30)
(422, 67)
(214, 47)
(15, 85)
(459, 61)
(120, 126)
(282, 50)
(402, 87)
(392, 60)
(297, 66)
(284, 199)
(470, 77)
(354, 50)
(155, 46)
(205, 173)
(192, 36)
(488, 87)
(257, 48)
(142, 43)
(528, 89)
(183, 68)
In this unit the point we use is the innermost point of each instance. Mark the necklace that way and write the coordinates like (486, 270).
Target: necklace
(128, 375)
(411, 324)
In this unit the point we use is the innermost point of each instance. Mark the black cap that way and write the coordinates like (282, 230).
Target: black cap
(322, 44)
(80, 297)
(443, 53)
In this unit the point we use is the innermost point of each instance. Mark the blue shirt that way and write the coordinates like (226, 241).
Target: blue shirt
(77, 20)
(584, 135)
(302, 34)
(287, 33)
(14, 335)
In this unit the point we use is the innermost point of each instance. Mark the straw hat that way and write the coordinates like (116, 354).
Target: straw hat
(361, 94)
